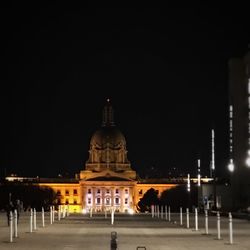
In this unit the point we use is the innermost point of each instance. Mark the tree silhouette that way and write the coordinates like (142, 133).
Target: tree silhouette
(30, 195)
(148, 199)
(179, 197)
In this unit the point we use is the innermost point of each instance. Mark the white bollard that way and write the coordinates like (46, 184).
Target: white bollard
(166, 212)
(64, 211)
(181, 221)
(206, 222)
(34, 218)
(161, 212)
(15, 223)
(51, 215)
(112, 216)
(158, 211)
(152, 211)
(59, 213)
(43, 224)
(196, 219)
(90, 212)
(169, 214)
(31, 220)
(187, 213)
(105, 213)
(67, 210)
(11, 226)
(230, 228)
(218, 226)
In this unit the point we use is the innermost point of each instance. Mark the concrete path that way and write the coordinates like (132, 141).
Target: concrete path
(81, 232)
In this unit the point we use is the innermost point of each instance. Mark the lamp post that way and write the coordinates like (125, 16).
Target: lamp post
(199, 181)
(213, 172)
(230, 165)
(188, 189)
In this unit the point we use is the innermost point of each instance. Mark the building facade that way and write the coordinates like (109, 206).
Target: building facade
(107, 181)
(239, 129)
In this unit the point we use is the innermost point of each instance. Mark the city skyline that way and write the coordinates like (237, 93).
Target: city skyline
(165, 71)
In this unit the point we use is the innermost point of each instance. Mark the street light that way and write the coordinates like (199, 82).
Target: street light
(248, 159)
(188, 189)
(231, 165)
(213, 170)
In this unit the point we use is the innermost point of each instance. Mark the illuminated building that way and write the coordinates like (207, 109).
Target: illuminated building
(108, 181)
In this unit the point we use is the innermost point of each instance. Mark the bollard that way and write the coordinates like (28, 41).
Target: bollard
(152, 211)
(206, 222)
(161, 212)
(105, 213)
(11, 226)
(166, 212)
(43, 224)
(230, 228)
(51, 216)
(181, 222)
(64, 212)
(31, 220)
(112, 216)
(15, 223)
(187, 213)
(34, 218)
(59, 213)
(169, 214)
(218, 226)
(158, 211)
(113, 242)
(90, 212)
(68, 211)
(196, 219)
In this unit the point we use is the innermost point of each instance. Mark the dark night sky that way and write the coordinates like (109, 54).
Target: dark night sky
(164, 69)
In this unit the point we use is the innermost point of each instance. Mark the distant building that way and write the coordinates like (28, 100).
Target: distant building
(239, 118)
(107, 181)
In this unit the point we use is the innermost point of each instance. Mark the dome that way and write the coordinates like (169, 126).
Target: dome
(108, 136)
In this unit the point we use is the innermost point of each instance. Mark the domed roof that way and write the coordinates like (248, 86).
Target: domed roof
(108, 135)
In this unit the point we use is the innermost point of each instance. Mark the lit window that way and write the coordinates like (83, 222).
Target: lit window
(107, 201)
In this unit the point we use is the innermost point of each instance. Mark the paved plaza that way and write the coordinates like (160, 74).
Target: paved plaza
(82, 232)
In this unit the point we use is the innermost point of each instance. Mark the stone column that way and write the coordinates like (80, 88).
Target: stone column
(121, 190)
(103, 198)
(93, 197)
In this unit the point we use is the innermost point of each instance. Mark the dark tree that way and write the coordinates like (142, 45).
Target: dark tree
(179, 197)
(31, 195)
(149, 198)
